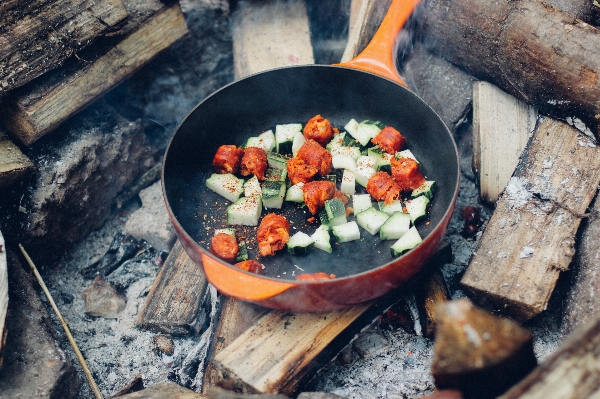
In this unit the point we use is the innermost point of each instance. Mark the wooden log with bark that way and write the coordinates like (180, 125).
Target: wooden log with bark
(14, 165)
(34, 110)
(530, 237)
(540, 55)
(585, 10)
(38, 35)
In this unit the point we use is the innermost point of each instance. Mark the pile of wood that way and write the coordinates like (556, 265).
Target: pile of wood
(59, 56)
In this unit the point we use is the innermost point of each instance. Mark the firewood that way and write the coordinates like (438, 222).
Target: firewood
(502, 126)
(480, 354)
(570, 372)
(585, 10)
(530, 237)
(3, 296)
(14, 165)
(173, 305)
(161, 391)
(38, 35)
(365, 18)
(36, 109)
(428, 296)
(527, 48)
(254, 27)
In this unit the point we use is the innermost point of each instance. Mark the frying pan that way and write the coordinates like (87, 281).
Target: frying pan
(367, 87)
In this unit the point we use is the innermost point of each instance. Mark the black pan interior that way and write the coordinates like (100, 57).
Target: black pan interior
(294, 95)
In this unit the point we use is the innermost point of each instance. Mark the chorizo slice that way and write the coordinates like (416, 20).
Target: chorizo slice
(389, 140)
(250, 265)
(299, 171)
(406, 172)
(382, 187)
(224, 246)
(318, 129)
(272, 234)
(316, 193)
(313, 154)
(227, 159)
(254, 162)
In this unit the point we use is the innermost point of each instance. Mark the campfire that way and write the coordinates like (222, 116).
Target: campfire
(99, 296)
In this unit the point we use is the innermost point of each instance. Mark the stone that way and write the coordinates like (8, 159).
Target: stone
(35, 366)
(164, 344)
(151, 222)
(101, 299)
(370, 343)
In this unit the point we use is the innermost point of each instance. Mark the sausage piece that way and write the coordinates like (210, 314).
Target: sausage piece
(406, 172)
(227, 159)
(254, 162)
(382, 187)
(299, 171)
(224, 246)
(318, 129)
(389, 140)
(316, 193)
(313, 154)
(250, 265)
(272, 234)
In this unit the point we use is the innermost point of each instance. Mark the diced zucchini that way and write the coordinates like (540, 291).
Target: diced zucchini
(295, 193)
(300, 244)
(252, 187)
(352, 127)
(242, 252)
(346, 162)
(363, 132)
(346, 232)
(408, 241)
(417, 207)
(350, 141)
(394, 206)
(336, 211)
(367, 161)
(277, 161)
(395, 227)
(322, 239)
(348, 185)
(371, 127)
(273, 193)
(361, 202)
(299, 141)
(376, 153)
(273, 174)
(227, 230)
(352, 152)
(336, 141)
(362, 174)
(371, 220)
(245, 211)
(384, 164)
(406, 154)
(284, 137)
(265, 140)
(226, 185)
(427, 189)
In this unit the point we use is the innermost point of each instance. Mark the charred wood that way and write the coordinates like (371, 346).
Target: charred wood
(121, 249)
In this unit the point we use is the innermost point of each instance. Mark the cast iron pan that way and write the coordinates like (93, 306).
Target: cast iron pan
(364, 269)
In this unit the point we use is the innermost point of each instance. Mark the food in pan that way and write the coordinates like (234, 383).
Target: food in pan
(302, 166)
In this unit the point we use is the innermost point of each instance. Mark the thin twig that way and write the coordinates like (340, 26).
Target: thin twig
(87, 372)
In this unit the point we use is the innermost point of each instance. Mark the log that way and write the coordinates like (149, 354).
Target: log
(428, 297)
(3, 296)
(585, 10)
(480, 354)
(502, 126)
(38, 108)
(174, 303)
(365, 18)
(527, 48)
(14, 165)
(530, 237)
(570, 372)
(37, 35)
(161, 391)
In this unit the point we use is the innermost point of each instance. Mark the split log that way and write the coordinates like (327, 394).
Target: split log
(570, 372)
(365, 18)
(530, 237)
(174, 303)
(14, 165)
(480, 354)
(38, 35)
(36, 109)
(527, 48)
(428, 297)
(585, 10)
(161, 391)
(502, 126)
(3, 296)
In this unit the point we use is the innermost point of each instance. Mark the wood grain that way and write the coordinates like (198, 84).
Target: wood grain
(14, 165)
(502, 126)
(365, 18)
(174, 301)
(530, 237)
(35, 110)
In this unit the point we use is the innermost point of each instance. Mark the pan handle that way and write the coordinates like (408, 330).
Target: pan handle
(241, 285)
(379, 56)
